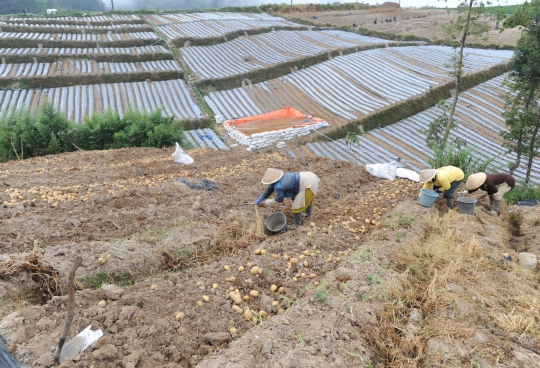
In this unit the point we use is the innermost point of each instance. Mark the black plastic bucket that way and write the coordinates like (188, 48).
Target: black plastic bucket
(276, 223)
(466, 205)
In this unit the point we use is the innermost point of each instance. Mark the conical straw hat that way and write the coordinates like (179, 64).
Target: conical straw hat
(271, 176)
(427, 175)
(475, 181)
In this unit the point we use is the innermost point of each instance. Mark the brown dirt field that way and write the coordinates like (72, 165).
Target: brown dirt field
(422, 22)
(128, 206)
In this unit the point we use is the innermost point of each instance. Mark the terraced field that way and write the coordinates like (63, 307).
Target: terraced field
(261, 51)
(207, 25)
(352, 86)
(479, 116)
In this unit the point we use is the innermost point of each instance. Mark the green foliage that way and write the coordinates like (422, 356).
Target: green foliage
(457, 153)
(522, 109)
(531, 192)
(320, 297)
(49, 132)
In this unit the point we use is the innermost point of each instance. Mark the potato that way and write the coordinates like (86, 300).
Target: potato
(235, 296)
(306, 252)
(245, 298)
(232, 331)
(295, 279)
(241, 268)
(214, 286)
(312, 275)
(200, 303)
(254, 270)
(309, 233)
(248, 314)
(226, 268)
(312, 224)
(275, 303)
(230, 279)
(263, 313)
(237, 309)
(101, 260)
(275, 256)
(301, 256)
(293, 260)
(367, 221)
(254, 293)
(281, 289)
(316, 283)
(263, 252)
(153, 287)
(206, 298)
(179, 316)
(102, 304)
(257, 251)
(306, 264)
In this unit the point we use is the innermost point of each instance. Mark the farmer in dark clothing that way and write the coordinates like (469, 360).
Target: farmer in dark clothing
(496, 185)
(301, 187)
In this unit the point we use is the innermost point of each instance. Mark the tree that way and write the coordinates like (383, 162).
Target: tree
(522, 109)
(472, 20)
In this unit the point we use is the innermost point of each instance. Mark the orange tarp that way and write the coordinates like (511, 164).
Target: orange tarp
(272, 121)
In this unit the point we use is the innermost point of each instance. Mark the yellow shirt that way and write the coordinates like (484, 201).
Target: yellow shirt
(444, 177)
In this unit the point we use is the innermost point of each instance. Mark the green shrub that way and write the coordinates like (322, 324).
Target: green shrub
(50, 132)
(518, 194)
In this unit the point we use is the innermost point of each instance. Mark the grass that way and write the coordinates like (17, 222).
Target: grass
(124, 279)
(12, 302)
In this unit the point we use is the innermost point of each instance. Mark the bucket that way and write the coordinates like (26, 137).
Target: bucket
(466, 205)
(276, 223)
(428, 197)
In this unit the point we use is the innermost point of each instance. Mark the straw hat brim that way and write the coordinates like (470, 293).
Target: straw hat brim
(427, 175)
(271, 176)
(475, 181)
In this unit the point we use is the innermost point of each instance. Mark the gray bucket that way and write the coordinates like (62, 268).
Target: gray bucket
(466, 205)
(276, 223)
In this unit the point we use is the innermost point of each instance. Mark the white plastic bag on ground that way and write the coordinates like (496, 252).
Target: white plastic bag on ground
(180, 156)
(407, 174)
(383, 171)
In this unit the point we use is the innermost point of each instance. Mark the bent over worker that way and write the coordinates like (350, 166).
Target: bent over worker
(444, 179)
(496, 185)
(301, 187)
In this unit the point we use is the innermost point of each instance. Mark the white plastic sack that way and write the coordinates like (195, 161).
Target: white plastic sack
(180, 156)
(407, 174)
(383, 171)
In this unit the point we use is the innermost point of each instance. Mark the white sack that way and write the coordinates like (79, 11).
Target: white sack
(180, 156)
(383, 171)
(408, 174)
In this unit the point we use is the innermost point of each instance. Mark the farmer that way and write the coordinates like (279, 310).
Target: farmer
(444, 179)
(496, 185)
(301, 187)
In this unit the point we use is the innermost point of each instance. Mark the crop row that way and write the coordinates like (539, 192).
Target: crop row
(76, 26)
(478, 114)
(140, 50)
(347, 87)
(109, 37)
(247, 53)
(92, 19)
(80, 101)
(78, 67)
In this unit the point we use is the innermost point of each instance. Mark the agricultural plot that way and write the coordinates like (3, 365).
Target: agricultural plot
(479, 116)
(261, 51)
(92, 19)
(83, 67)
(80, 101)
(206, 25)
(350, 87)
(77, 26)
(139, 50)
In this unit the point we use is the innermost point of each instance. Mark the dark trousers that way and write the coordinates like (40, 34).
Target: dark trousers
(449, 194)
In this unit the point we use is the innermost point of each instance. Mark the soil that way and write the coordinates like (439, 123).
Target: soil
(426, 23)
(173, 243)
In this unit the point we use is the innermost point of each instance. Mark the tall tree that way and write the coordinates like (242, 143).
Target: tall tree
(471, 20)
(522, 109)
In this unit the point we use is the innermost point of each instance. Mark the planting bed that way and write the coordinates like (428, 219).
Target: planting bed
(352, 86)
(479, 116)
(139, 50)
(261, 51)
(114, 18)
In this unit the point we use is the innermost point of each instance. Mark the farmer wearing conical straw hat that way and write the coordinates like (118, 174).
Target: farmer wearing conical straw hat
(444, 179)
(301, 187)
(496, 185)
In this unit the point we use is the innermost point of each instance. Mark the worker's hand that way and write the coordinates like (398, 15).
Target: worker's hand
(463, 192)
(269, 202)
(438, 191)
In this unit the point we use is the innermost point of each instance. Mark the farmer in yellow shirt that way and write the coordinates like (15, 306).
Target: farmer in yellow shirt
(444, 179)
